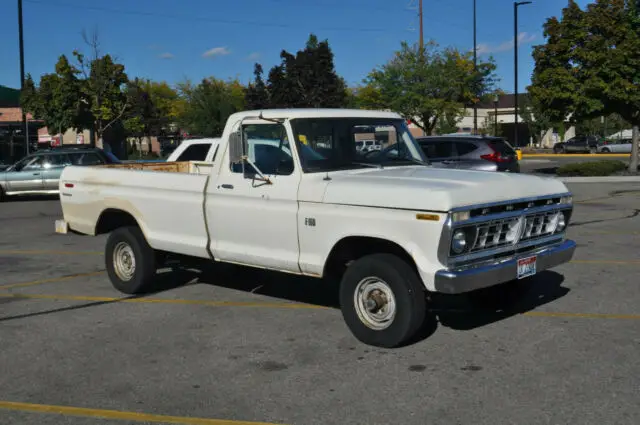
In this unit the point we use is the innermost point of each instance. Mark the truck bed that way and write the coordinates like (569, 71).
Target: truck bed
(185, 167)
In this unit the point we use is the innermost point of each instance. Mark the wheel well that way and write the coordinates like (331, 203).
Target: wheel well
(111, 219)
(354, 247)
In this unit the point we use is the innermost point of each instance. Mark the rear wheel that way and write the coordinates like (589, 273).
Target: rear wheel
(130, 261)
(605, 150)
(382, 300)
(3, 197)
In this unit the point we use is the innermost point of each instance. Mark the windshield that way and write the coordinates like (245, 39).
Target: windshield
(327, 144)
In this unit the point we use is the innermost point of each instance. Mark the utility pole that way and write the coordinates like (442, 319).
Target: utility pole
(421, 28)
(475, 73)
(24, 116)
(515, 64)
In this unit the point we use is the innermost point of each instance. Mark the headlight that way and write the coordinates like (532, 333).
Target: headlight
(460, 216)
(459, 241)
(566, 200)
(562, 223)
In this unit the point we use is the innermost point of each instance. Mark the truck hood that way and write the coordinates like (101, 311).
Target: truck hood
(433, 189)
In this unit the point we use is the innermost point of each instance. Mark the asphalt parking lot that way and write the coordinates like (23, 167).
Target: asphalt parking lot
(241, 345)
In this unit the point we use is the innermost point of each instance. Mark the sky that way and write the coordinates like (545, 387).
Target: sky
(176, 40)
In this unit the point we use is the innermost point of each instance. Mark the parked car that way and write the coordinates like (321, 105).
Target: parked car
(39, 173)
(615, 146)
(577, 144)
(390, 229)
(470, 152)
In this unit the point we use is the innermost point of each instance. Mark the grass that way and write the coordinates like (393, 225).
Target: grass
(593, 168)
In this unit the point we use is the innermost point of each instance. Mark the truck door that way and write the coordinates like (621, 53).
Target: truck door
(250, 221)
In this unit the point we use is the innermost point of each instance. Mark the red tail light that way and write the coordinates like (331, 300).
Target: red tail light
(69, 185)
(495, 157)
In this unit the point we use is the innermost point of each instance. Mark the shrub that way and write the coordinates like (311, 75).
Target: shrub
(593, 168)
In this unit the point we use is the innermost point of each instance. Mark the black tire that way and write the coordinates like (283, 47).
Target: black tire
(406, 288)
(605, 150)
(3, 197)
(132, 239)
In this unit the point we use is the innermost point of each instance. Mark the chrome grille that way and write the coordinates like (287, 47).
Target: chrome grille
(497, 233)
(541, 224)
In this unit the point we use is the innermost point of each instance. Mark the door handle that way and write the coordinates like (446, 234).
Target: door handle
(36, 174)
(227, 186)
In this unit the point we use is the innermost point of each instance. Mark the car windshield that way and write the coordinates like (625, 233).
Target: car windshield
(327, 144)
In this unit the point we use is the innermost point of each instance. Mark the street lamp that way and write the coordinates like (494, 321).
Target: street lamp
(515, 62)
(495, 114)
(475, 72)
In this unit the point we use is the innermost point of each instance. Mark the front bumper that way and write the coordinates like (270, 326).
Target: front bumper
(470, 278)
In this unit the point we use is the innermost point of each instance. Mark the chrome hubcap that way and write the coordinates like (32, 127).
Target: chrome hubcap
(124, 262)
(374, 303)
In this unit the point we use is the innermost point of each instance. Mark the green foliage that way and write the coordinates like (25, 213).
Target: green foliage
(305, 80)
(537, 118)
(594, 168)
(209, 104)
(590, 64)
(58, 98)
(431, 85)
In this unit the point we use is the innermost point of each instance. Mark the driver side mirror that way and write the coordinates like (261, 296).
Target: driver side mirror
(237, 147)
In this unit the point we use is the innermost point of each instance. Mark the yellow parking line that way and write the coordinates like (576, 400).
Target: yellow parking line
(621, 262)
(582, 315)
(118, 414)
(50, 280)
(47, 252)
(577, 155)
(290, 305)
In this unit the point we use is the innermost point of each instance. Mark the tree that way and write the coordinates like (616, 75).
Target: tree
(537, 118)
(428, 86)
(257, 96)
(209, 104)
(57, 99)
(305, 80)
(590, 65)
(103, 88)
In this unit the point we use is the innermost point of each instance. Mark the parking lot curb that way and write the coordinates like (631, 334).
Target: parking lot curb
(602, 179)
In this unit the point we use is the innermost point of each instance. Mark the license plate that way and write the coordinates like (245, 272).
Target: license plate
(526, 267)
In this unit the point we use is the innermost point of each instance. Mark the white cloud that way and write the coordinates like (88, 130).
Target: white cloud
(523, 38)
(254, 56)
(166, 55)
(216, 51)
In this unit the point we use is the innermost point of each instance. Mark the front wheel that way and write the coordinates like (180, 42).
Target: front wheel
(382, 300)
(130, 261)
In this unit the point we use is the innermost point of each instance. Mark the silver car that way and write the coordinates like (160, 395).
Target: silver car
(481, 153)
(615, 146)
(39, 173)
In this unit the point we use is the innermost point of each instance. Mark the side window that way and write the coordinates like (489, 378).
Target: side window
(269, 149)
(195, 152)
(85, 158)
(465, 148)
(438, 150)
(56, 160)
(35, 164)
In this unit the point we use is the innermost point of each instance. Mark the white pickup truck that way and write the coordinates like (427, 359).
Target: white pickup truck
(287, 190)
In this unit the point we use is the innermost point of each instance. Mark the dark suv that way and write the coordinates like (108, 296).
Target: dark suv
(578, 144)
(482, 153)
(39, 173)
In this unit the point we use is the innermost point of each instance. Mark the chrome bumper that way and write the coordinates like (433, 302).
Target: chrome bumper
(470, 278)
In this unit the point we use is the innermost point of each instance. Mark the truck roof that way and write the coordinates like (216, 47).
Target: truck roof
(316, 113)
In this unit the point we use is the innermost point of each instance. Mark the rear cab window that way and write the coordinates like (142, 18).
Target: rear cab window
(195, 152)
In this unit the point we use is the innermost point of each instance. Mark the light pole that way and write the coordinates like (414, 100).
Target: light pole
(21, 41)
(515, 62)
(475, 72)
(495, 114)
